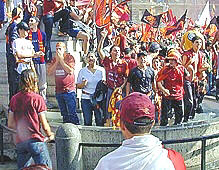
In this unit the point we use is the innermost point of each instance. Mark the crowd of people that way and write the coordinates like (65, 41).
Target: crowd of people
(175, 72)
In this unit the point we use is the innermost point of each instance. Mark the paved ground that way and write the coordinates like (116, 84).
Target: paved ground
(210, 106)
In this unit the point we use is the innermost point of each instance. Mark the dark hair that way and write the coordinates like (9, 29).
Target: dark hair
(111, 48)
(141, 54)
(138, 129)
(195, 38)
(35, 18)
(37, 167)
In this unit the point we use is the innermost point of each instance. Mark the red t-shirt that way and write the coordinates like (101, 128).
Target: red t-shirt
(132, 63)
(115, 74)
(189, 55)
(64, 82)
(49, 7)
(26, 107)
(174, 82)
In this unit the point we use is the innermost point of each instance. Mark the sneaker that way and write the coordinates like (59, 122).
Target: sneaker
(50, 105)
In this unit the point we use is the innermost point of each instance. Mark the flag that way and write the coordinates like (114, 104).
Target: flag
(103, 11)
(82, 2)
(122, 10)
(154, 21)
(179, 25)
(205, 16)
(212, 27)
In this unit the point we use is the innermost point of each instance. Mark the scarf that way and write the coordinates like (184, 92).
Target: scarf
(40, 40)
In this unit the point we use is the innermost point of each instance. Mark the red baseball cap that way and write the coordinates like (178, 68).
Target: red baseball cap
(136, 105)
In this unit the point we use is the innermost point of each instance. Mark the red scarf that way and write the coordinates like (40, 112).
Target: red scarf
(40, 40)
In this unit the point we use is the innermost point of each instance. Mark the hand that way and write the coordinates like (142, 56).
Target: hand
(50, 138)
(104, 33)
(166, 92)
(84, 82)
(38, 54)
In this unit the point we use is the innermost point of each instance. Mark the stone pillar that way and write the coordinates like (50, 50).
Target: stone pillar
(68, 155)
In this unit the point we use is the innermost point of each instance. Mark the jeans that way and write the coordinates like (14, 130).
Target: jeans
(67, 106)
(48, 22)
(88, 109)
(166, 108)
(32, 148)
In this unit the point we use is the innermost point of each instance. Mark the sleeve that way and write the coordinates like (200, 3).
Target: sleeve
(71, 61)
(130, 77)
(14, 34)
(126, 69)
(14, 47)
(12, 104)
(79, 78)
(103, 71)
(40, 105)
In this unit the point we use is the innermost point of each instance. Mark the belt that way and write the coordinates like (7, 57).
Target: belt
(84, 92)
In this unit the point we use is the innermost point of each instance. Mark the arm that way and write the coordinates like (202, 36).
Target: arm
(164, 90)
(11, 120)
(52, 67)
(100, 45)
(82, 85)
(75, 16)
(128, 86)
(66, 67)
(45, 126)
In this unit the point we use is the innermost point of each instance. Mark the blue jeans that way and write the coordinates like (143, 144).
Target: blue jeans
(32, 148)
(67, 106)
(87, 109)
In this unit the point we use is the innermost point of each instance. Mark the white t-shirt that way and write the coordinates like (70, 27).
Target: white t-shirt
(92, 78)
(138, 153)
(23, 47)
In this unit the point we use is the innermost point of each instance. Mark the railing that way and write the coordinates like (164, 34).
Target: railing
(203, 139)
(185, 140)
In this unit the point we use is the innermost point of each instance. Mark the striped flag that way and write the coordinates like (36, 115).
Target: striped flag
(103, 11)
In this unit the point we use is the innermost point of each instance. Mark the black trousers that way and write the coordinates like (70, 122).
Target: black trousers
(13, 76)
(190, 99)
(166, 108)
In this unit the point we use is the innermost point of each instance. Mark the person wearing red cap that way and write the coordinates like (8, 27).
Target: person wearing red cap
(140, 150)
(170, 82)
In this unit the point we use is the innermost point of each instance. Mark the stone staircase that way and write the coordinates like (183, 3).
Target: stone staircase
(73, 46)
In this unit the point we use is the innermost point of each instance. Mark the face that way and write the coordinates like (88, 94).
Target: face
(156, 63)
(142, 60)
(23, 33)
(173, 63)
(91, 59)
(33, 23)
(197, 44)
(60, 49)
(115, 53)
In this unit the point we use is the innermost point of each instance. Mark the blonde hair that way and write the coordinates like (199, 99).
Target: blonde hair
(28, 81)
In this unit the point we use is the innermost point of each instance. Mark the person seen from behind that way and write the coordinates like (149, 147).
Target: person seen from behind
(140, 150)
(27, 113)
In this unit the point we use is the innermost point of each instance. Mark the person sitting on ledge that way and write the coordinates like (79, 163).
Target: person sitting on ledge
(140, 150)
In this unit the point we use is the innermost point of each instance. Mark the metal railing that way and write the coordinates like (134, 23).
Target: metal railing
(203, 139)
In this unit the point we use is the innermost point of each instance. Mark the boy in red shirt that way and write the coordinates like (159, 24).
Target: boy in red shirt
(170, 81)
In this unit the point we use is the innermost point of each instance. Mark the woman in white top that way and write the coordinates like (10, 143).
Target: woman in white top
(87, 80)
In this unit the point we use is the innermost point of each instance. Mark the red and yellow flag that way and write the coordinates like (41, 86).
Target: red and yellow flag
(103, 11)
